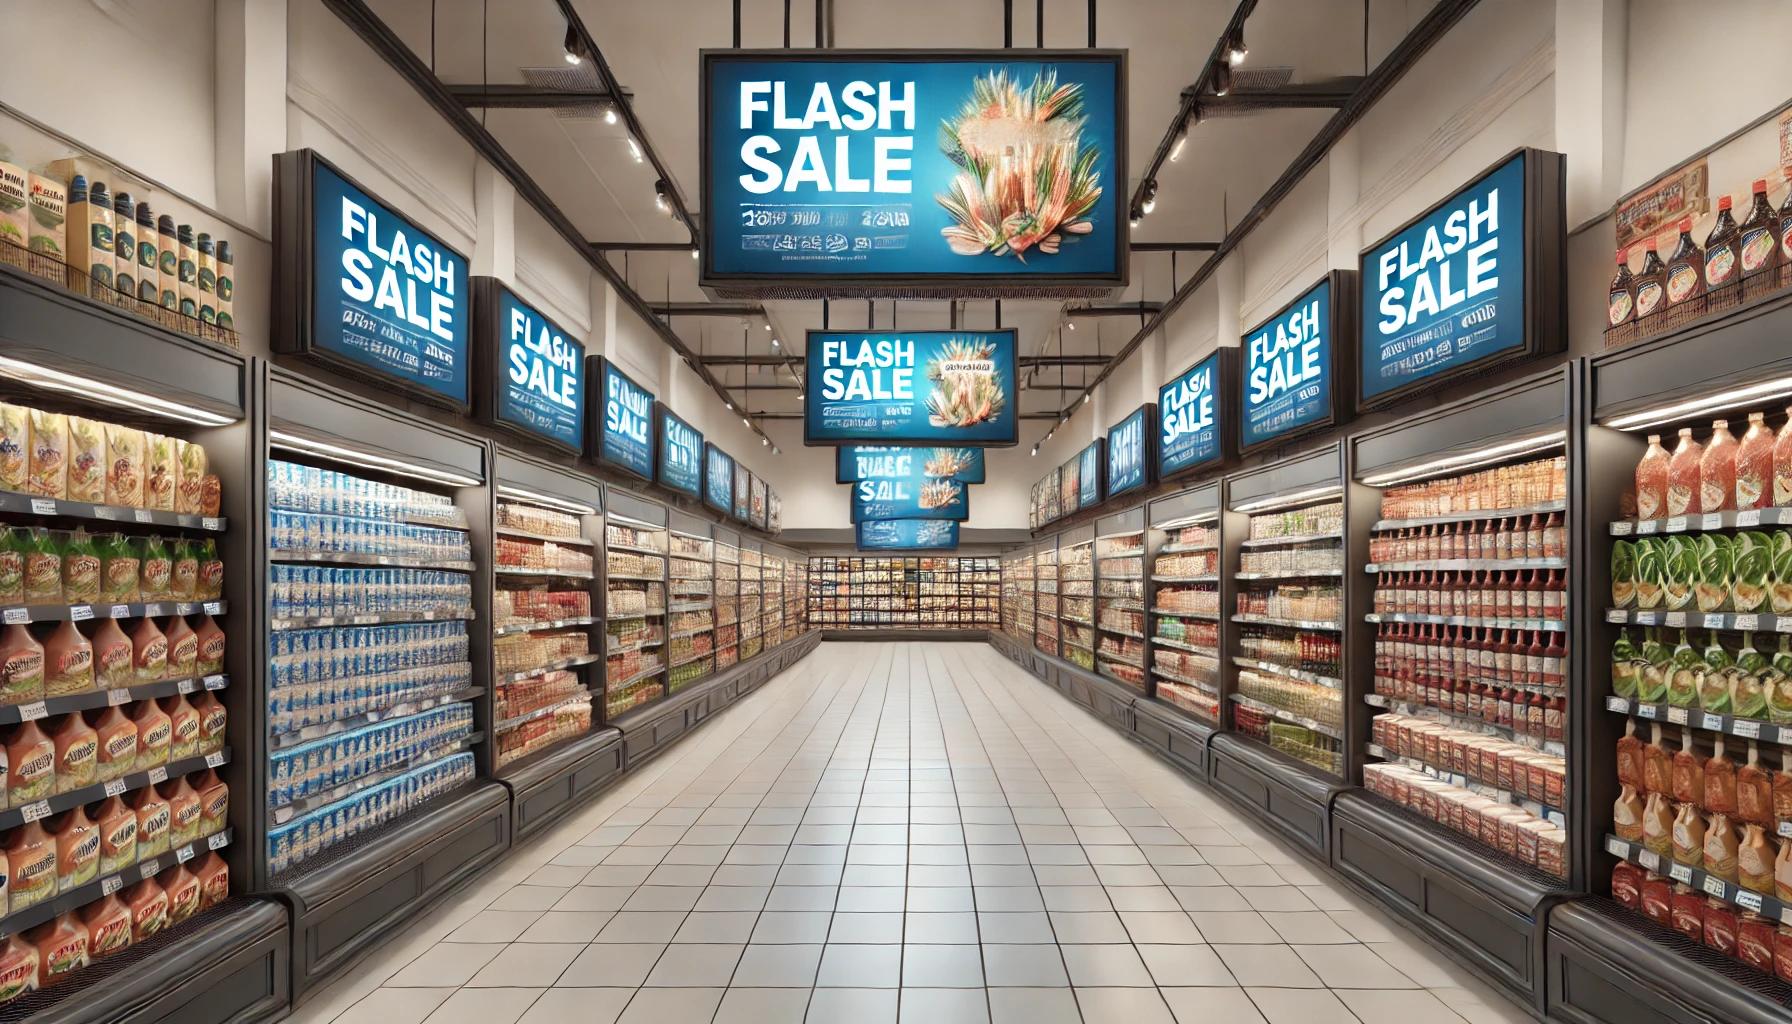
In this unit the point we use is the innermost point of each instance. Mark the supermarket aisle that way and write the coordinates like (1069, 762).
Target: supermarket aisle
(914, 832)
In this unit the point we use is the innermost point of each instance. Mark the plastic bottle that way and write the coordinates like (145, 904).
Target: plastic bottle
(61, 949)
(1717, 470)
(1686, 267)
(149, 650)
(1721, 262)
(1759, 244)
(1683, 476)
(1754, 464)
(155, 734)
(1620, 303)
(117, 744)
(77, 753)
(77, 850)
(21, 666)
(30, 865)
(68, 661)
(1651, 282)
(108, 923)
(114, 656)
(1782, 463)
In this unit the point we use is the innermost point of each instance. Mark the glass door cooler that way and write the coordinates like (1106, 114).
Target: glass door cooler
(691, 591)
(1184, 584)
(636, 605)
(1120, 598)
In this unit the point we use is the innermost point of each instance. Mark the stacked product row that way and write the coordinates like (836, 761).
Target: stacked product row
(693, 621)
(1185, 642)
(915, 591)
(635, 599)
(1076, 603)
(542, 630)
(1121, 623)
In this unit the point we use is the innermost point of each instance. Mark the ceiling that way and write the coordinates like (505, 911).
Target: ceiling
(592, 172)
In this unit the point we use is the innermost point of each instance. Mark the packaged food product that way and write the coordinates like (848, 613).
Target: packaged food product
(61, 949)
(18, 968)
(209, 642)
(124, 466)
(183, 892)
(1658, 824)
(214, 880)
(183, 648)
(21, 666)
(190, 485)
(1720, 926)
(1658, 899)
(30, 766)
(77, 850)
(49, 454)
(1658, 766)
(118, 744)
(119, 570)
(118, 834)
(185, 737)
(1627, 815)
(68, 661)
(86, 460)
(80, 568)
(161, 473)
(149, 650)
(183, 580)
(1627, 884)
(30, 865)
(155, 568)
(155, 733)
(152, 823)
(1687, 915)
(14, 541)
(108, 923)
(15, 448)
(148, 904)
(1684, 489)
(183, 811)
(1754, 464)
(1754, 860)
(1689, 772)
(211, 571)
(1689, 835)
(1720, 781)
(214, 802)
(1721, 848)
(1652, 481)
(213, 721)
(211, 495)
(43, 568)
(1782, 952)
(1754, 790)
(1754, 941)
(1630, 756)
(113, 656)
(77, 753)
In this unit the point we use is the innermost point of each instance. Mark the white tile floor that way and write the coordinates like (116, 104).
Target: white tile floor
(906, 832)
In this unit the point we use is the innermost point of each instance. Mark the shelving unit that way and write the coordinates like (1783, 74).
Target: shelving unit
(727, 600)
(1120, 599)
(1076, 597)
(1018, 596)
(771, 585)
(691, 587)
(752, 599)
(637, 604)
(1183, 579)
(903, 592)
(1045, 579)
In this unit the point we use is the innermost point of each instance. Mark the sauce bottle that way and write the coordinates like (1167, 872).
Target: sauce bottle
(183, 580)
(183, 648)
(214, 802)
(77, 850)
(118, 834)
(1782, 462)
(152, 823)
(148, 904)
(210, 641)
(1754, 464)
(108, 923)
(183, 892)
(114, 656)
(77, 753)
(184, 742)
(1721, 262)
(1620, 303)
(1759, 245)
(183, 810)
(124, 245)
(149, 288)
(155, 732)
(149, 651)
(211, 571)
(68, 661)
(61, 949)
(21, 666)
(89, 227)
(30, 865)
(1717, 470)
(226, 287)
(1686, 267)
(213, 720)
(18, 968)
(117, 744)
(167, 262)
(207, 280)
(1651, 282)
(1683, 476)
(80, 569)
(189, 271)
(214, 880)
(119, 570)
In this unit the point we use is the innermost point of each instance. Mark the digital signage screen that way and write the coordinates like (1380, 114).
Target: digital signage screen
(913, 497)
(623, 425)
(1467, 284)
(858, 461)
(679, 454)
(847, 172)
(947, 388)
(718, 479)
(1295, 364)
(743, 493)
(757, 498)
(1129, 450)
(1070, 485)
(774, 513)
(534, 368)
(907, 535)
(1089, 471)
(364, 290)
(1193, 413)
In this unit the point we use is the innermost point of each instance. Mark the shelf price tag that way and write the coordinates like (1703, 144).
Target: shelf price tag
(1710, 721)
(16, 616)
(214, 682)
(1623, 529)
(185, 686)
(1782, 623)
(1649, 859)
(33, 711)
(1748, 730)
(214, 759)
(213, 607)
(35, 812)
(110, 884)
(114, 787)
(210, 523)
(157, 776)
(1648, 526)
(1680, 873)
(155, 610)
(1677, 716)
(1675, 619)
(1618, 704)
(1616, 847)
(1645, 710)
(117, 697)
(1748, 517)
(1748, 623)
(1715, 886)
(1675, 524)
(1711, 521)
(152, 866)
(1616, 615)
(143, 515)
(217, 841)
(184, 854)
(120, 611)
(1716, 620)
(106, 512)
(43, 506)
(1748, 900)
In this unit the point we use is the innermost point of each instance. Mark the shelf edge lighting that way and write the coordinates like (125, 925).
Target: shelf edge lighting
(1776, 388)
(562, 504)
(1469, 460)
(111, 394)
(1289, 500)
(1194, 520)
(368, 460)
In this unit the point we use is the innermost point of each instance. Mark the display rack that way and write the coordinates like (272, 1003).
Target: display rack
(1120, 620)
(1018, 596)
(727, 601)
(880, 592)
(752, 599)
(1076, 596)
(771, 587)
(636, 603)
(691, 641)
(1045, 613)
(796, 596)
(1184, 587)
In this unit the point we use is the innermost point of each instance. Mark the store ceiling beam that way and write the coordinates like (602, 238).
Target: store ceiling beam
(707, 309)
(1174, 246)
(1202, 86)
(641, 246)
(529, 97)
(1327, 95)
(1124, 309)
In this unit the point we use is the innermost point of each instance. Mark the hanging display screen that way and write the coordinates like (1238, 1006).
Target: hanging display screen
(1291, 367)
(1053, 507)
(910, 497)
(872, 172)
(774, 513)
(366, 291)
(743, 493)
(1089, 471)
(623, 425)
(859, 461)
(910, 387)
(907, 535)
(1457, 288)
(1070, 485)
(1190, 416)
(718, 479)
(757, 510)
(678, 463)
(535, 368)
(1129, 451)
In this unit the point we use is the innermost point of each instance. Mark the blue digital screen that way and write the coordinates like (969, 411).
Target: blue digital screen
(718, 479)
(541, 374)
(910, 497)
(1188, 419)
(743, 494)
(907, 535)
(910, 387)
(757, 509)
(858, 461)
(625, 433)
(1070, 486)
(386, 295)
(1447, 291)
(1128, 445)
(680, 463)
(1288, 369)
(979, 166)
(1089, 474)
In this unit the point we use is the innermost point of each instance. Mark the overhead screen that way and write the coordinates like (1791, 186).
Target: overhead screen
(952, 388)
(907, 535)
(1129, 451)
(856, 462)
(1296, 366)
(678, 459)
(535, 369)
(623, 427)
(718, 479)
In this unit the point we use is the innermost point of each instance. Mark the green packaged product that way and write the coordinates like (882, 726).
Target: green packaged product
(119, 570)
(1716, 686)
(1623, 574)
(1650, 559)
(1679, 570)
(1751, 571)
(1627, 666)
(13, 541)
(1779, 683)
(1685, 675)
(1748, 692)
(1716, 570)
(1780, 579)
(80, 568)
(43, 568)
(1657, 670)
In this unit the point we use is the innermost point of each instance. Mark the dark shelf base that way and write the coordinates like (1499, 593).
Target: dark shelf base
(229, 964)
(893, 633)
(1172, 735)
(1286, 794)
(345, 907)
(545, 787)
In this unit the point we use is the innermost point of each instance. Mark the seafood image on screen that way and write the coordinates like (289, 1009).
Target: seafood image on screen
(939, 493)
(966, 388)
(947, 461)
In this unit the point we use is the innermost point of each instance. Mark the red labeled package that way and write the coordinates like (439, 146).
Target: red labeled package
(1754, 941)
(1627, 884)
(1720, 926)
(1658, 899)
(1782, 952)
(1689, 912)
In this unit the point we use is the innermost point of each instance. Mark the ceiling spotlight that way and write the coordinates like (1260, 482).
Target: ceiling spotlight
(634, 149)
(1222, 79)
(1035, 449)
(660, 198)
(775, 450)
(774, 343)
(1236, 51)
(1137, 216)
(799, 396)
(1086, 397)
(730, 406)
(765, 442)
(575, 48)
(610, 115)
(693, 252)
(744, 422)
(1150, 202)
(768, 326)
(1070, 324)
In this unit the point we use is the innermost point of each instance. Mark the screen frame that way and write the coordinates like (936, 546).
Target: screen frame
(842, 455)
(488, 346)
(1341, 328)
(708, 446)
(1229, 393)
(594, 420)
(1148, 431)
(661, 413)
(858, 536)
(812, 368)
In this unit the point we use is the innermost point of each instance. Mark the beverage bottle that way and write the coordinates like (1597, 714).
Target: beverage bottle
(1684, 492)
(1759, 245)
(21, 666)
(1620, 303)
(1555, 540)
(1754, 464)
(1651, 282)
(1686, 267)
(1782, 461)
(68, 661)
(1721, 262)
(1717, 470)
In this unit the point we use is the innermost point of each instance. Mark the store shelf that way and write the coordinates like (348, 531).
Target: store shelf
(689, 606)
(1206, 616)
(1305, 538)
(1468, 722)
(1212, 577)
(397, 709)
(694, 657)
(553, 666)
(691, 632)
(1469, 517)
(1735, 519)
(1212, 688)
(280, 814)
(544, 625)
(1711, 885)
(1116, 659)
(563, 574)
(1291, 673)
(508, 531)
(650, 613)
(1479, 787)
(1274, 712)
(621, 684)
(376, 619)
(105, 885)
(1484, 622)
(1178, 549)
(1264, 620)
(25, 504)
(1467, 564)
(56, 804)
(1310, 574)
(12, 714)
(1729, 725)
(505, 725)
(1078, 622)
(1122, 632)
(1741, 621)
(1179, 645)
(18, 615)
(350, 558)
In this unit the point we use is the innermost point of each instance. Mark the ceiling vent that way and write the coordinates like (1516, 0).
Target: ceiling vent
(581, 78)
(1245, 81)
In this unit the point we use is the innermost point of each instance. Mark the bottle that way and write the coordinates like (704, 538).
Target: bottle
(89, 228)
(184, 739)
(1759, 244)
(214, 802)
(1754, 464)
(61, 949)
(1721, 263)
(183, 811)
(1782, 463)
(77, 850)
(43, 568)
(183, 892)
(183, 651)
(21, 666)
(149, 285)
(155, 733)
(149, 909)
(155, 567)
(118, 834)
(68, 662)
(77, 753)
(168, 262)
(80, 568)
(1651, 282)
(152, 823)
(1717, 470)
(226, 286)
(124, 245)
(117, 744)
(18, 968)
(214, 880)
(210, 640)
(120, 570)
(189, 271)
(108, 924)
(30, 865)
(1620, 302)
(207, 279)
(1686, 267)
(149, 651)
(1683, 476)
(183, 576)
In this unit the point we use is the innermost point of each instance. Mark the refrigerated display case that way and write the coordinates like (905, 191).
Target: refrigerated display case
(1184, 583)
(691, 590)
(727, 602)
(1076, 597)
(636, 607)
(1045, 613)
(752, 598)
(1120, 598)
